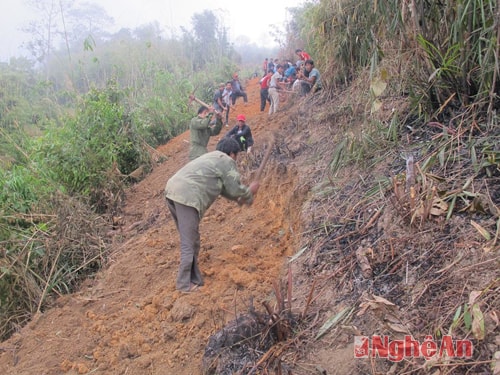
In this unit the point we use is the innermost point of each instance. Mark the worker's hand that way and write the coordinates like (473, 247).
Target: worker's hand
(249, 150)
(242, 201)
(254, 187)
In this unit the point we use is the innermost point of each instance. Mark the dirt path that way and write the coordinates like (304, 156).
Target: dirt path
(130, 319)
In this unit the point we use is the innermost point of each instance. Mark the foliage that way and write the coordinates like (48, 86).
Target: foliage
(461, 57)
(44, 237)
(452, 45)
(342, 37)
(45, 251)
(163, 114)
(20, 189)
(16, 90)
(85, 155)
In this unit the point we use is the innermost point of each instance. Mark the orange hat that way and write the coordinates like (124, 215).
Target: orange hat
(241, 118)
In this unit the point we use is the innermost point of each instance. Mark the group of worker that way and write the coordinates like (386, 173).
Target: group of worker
(301, 78)
(192, 190)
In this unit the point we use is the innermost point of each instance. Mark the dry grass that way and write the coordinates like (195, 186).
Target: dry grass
(401, 235)
(48, 266)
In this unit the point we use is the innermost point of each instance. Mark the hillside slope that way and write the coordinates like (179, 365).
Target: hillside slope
(130, 319)
(345, 248)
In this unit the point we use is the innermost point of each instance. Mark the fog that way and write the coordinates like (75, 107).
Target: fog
(247, 21)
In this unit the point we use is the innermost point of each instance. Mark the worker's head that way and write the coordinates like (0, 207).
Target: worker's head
(202, 109)
(229, 146)
(308, 65)
(241, 121)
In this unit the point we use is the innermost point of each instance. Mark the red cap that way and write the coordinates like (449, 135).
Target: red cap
(241, 118)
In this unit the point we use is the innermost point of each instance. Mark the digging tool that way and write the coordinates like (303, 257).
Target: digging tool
(265, 159)
(199, 101)
(258, 175)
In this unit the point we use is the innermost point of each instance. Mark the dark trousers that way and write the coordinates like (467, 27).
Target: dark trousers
(305, 88)
(264, 97)
(227, 114)
(237, 94)
(187, 221)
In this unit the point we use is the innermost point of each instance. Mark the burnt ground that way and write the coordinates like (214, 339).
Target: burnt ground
(318, 259)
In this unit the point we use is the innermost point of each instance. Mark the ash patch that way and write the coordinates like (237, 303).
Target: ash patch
(240, 343)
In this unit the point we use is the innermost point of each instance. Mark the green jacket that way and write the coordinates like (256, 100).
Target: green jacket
(201, 181)
(201, 131)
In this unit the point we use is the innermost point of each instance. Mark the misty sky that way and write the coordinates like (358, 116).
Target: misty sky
(250, 18)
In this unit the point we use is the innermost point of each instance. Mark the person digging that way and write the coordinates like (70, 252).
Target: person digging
(192, 190)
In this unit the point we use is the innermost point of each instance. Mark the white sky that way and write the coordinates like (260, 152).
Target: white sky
(250, 18)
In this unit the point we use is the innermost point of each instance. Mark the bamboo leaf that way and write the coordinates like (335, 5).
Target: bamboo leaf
(441, 156)
(496, 362)
(378, 86)
(473, 296)
(456, 320)
(483, 232)
(477, 322)
(298, 254)
(467, 318)
(383, 300)
(451, 207)
(332, 321)
(376, 105)
(428, 163)
(473, 155)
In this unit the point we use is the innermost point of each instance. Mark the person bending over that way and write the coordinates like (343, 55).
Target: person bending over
(191, 191)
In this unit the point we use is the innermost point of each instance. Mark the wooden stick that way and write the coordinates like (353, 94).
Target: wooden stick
(258, 175)
(199, 101)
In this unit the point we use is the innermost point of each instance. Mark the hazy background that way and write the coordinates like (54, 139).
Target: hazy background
(247, 21)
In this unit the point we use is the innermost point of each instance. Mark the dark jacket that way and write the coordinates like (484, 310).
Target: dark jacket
(237, 86)
(243, 136)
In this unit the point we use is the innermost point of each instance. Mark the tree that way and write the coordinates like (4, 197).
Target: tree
(88, 19)
(41, 31)
(210, 39)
